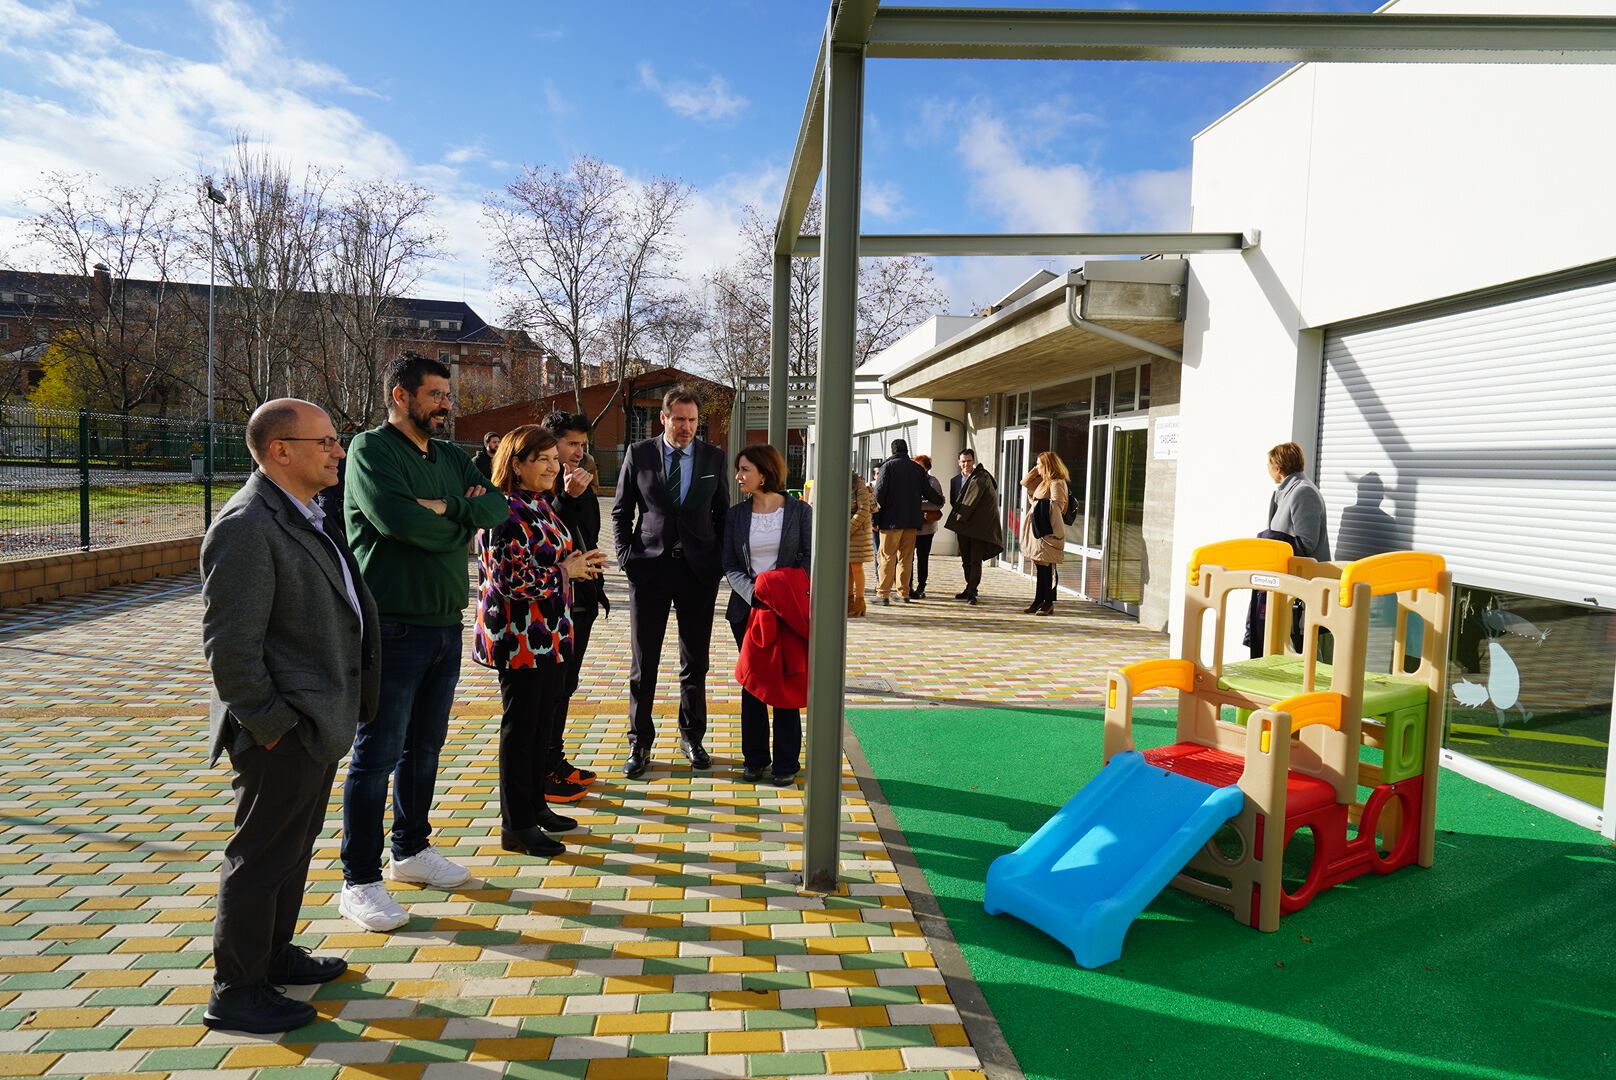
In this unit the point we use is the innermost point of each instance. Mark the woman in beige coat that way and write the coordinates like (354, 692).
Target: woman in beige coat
(860, 544)
(1043, 535)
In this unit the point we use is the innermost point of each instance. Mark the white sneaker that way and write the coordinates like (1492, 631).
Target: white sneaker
(427, 867)
(372, 907)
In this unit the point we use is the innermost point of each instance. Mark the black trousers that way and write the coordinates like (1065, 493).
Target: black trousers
(654, 588)
(281, 797)
(971, 560)
(1047, 577)
(787, 756)
(583, 624)
(923, 558)
(529, 696)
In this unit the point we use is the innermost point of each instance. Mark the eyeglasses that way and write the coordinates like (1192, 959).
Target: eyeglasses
(327, 443)
(442, 397)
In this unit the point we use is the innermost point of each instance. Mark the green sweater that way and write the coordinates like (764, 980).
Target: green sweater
(414, 560)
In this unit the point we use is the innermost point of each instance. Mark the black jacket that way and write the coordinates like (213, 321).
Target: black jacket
(582, 518)
(900, 488)
(485, 463)
(796, 544)
(649, 524)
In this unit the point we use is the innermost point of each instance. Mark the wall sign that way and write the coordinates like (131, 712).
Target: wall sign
(1166, 438)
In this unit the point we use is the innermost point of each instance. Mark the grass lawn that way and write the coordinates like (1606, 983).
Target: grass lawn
(1498, 962)
(60, 506)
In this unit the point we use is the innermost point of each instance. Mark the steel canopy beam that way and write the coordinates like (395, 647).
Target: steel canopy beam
(878, 245)
(1023, 34)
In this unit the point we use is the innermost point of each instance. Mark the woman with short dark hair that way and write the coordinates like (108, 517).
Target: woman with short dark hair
(766, 530)
(523, 630)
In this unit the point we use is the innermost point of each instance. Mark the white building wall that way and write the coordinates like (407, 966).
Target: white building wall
(1374, 187)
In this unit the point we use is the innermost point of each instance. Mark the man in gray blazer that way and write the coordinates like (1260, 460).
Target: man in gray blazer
(289, 630)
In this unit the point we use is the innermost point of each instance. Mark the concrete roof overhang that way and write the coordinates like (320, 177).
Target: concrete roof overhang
(1033, 341)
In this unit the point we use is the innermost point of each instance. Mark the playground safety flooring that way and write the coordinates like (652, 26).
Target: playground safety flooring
(670, 940)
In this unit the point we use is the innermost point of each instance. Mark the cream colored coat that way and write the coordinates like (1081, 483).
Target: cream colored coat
(860, 539)
(1049, 550)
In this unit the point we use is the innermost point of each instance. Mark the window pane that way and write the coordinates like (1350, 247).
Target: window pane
(1125, 390)
(1102, 395)
(1097, 457)
(1529, 688)
(1144, 387)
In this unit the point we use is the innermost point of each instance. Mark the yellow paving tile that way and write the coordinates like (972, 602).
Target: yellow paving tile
(742, 964)
(389, 1029)
(744, 999)
(265, 1056)
(528, 1006)
(26, 1064)
(934, 995)
(644, 1068)
(393, 1071)
(64, 1018)
(744, 1042)
(838, 977)
(631, 1023)
(852, 1016)
(154, 1037)
(863, 1061)
(949, 1035)
(638, 984)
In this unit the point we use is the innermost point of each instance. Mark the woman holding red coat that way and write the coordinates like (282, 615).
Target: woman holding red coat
(767, 530)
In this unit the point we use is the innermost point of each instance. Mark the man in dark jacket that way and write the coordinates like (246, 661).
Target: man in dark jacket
(484, 458)
(672, 496)
(580, 509)
(900, 489)
(290, 633)
(975, 520)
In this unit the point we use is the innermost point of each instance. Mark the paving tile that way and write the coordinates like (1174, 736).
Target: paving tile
(670, 941)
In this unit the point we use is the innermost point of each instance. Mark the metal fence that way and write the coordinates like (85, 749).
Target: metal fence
(72, 481)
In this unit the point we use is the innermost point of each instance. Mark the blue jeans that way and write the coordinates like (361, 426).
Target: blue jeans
(420, 667)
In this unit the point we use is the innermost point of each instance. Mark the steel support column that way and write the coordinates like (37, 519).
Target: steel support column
(780, 352)
(897, 245)
(833, 464)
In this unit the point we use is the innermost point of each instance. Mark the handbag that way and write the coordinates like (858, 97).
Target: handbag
(929, 514)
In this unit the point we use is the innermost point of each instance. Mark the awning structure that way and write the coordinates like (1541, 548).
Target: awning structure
(829, 144)
(1034, 339)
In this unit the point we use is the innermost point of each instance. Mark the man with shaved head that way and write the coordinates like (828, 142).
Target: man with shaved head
(290, 633)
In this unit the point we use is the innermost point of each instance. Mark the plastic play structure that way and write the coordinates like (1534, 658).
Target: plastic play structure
(1264, 749)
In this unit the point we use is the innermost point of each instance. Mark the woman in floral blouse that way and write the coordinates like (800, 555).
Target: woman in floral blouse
(526, 565)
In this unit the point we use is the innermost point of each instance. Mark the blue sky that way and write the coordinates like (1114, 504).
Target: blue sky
(458, 97)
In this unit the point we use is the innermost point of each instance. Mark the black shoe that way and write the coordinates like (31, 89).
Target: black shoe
(295, 966)
(549, 821)
(259, 1010)
(908, 598)
(786, 780)
(693, 752)
(638, 761)
(962, 596)
(971, 600)
(1047, 609)
(918, 594)
(752, 773)
(530, 841)
(1034, 608)
(886, 601)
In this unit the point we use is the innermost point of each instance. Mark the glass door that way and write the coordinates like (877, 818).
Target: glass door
(1125, 516)
(1012, 495)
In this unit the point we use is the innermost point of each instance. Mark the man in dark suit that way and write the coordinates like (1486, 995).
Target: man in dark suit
(289, 631)
(669, 515)
(974, 520)
(900, 489)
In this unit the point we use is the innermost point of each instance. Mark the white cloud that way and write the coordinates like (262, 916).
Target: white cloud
(882, 200)
(709, 102)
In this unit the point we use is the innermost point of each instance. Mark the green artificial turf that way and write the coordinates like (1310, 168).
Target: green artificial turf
(1497, 962)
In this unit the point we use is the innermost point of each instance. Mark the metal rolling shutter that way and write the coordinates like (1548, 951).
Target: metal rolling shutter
(1484, 430)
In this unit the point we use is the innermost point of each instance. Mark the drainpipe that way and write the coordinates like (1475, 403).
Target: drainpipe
(1073, 288)
(886, 393)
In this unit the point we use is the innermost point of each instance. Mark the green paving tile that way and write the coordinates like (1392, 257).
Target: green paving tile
(39, 980)
(671, 1002)
(299, 1072)
(546, 1070)
(779, 1019)
(425, 1050)
(785, 1064)
(194, 1057)
(883, 995)
(666, 1045)
(322, 1031)
(559, 1025)
(130, 995)
(454, 1007)
(775, 980)
(880, 1038)
(82, 1039)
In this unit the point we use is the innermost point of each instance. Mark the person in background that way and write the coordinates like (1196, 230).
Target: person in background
(900, 492)
(860, 545)
(484, 458)
(1043, 537)
(578, 507)
(766, 530)
(289, 631)
(528, 567)
(930, 517)
(975, 519)
(1296, 515)
(412, 505)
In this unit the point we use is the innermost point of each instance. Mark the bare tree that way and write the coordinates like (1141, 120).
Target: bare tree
(118, 338)
(673, 332)
(555, 238)
(644, 251)
(377, 241)
(273, 232)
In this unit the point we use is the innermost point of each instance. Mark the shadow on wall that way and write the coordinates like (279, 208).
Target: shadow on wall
(1366, 527)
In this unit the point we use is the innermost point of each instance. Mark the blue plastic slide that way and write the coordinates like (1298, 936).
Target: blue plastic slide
(1088, 873)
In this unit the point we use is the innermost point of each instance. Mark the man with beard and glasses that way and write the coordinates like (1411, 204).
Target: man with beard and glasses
(412, 505)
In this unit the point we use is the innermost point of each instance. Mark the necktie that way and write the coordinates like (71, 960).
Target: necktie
(673, 480)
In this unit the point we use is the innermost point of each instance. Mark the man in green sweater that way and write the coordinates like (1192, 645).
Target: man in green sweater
(411, 506)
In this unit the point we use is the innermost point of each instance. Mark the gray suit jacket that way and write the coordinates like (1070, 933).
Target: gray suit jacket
(796, 544)
(286, 652)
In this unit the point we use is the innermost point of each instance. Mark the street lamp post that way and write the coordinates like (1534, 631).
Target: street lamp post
(215, 200)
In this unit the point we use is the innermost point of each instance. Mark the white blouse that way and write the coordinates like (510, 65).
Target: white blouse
(765, 539)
